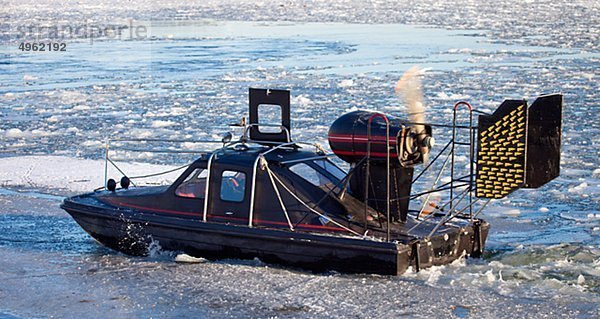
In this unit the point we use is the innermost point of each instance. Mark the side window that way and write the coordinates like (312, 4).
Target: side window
(194, 184)
(233, 186)
(309, 174)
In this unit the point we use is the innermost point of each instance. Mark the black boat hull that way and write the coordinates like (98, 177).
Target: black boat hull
(132, 232)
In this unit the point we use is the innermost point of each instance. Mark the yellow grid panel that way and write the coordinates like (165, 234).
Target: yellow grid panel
(501, 154)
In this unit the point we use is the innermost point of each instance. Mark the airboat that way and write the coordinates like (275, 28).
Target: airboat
(263, 195)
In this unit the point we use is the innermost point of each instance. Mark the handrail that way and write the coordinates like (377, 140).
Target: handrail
(253, 190)
(471, 152)
(206, 193)
(459, 103)
(282, 127)
(108, 146)
(161, 140)
(164, 151)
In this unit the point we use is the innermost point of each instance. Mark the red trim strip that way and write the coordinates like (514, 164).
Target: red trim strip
(373, 137)
(338, 140)
(258, 221)
(361, 137)
(116, 203)
(463, 103)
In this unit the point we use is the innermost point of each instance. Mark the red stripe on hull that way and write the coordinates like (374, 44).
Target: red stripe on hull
(200, 214)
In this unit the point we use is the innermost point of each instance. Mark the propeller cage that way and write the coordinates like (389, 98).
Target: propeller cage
(350, 139)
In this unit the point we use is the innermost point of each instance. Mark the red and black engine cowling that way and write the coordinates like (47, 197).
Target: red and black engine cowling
(409, 145)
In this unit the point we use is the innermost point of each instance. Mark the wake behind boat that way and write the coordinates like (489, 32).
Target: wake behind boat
(266, 196)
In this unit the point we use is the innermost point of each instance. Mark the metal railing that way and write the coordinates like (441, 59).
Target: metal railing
(110, 146)
(471, 151)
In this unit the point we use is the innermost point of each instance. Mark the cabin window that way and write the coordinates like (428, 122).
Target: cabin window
(269, 114)
(331, 168)
(233, 186)
(194, 185)
(310, 174)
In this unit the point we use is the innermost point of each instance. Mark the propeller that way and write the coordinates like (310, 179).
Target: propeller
(409, 89)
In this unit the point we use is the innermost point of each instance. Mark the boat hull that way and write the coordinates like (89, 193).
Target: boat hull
(133, 232)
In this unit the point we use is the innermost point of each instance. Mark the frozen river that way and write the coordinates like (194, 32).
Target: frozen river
(189, 79)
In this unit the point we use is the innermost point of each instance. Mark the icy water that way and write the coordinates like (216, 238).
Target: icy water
(189, 79)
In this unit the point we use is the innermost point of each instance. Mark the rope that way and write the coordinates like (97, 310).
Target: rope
(161, 140)
(287, 217)
(118, 169)
(312, 210)
(161, 173)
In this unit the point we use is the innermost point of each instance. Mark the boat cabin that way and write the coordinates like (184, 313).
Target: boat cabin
(263, 180)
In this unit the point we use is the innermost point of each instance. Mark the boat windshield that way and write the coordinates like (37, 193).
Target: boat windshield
(310, 174)
(194, 184)
(331, 168)
(317, 178)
